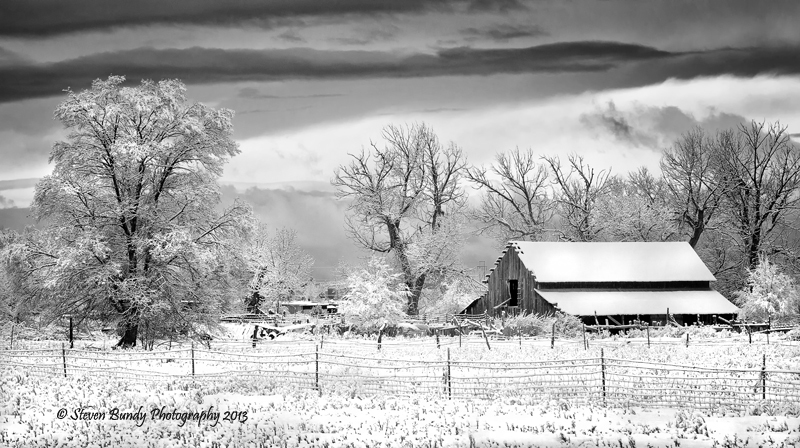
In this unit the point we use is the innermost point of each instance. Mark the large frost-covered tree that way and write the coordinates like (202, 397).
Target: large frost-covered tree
(129, 216)
(401, 195)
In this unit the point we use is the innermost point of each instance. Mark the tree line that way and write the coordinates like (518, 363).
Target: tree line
(131, 227)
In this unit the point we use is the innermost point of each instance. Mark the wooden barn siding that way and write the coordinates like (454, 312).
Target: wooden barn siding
(510, 267)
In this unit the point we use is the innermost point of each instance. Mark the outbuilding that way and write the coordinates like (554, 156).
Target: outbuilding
(603, 282)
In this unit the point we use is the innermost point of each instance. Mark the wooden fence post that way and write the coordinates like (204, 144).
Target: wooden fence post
(764, 377)
(316, 369)
(437, 339)
(553, 336)
(321, 341)
(687, 339)
(71, 339)
(12, 335)
(64, 358)
(449, 386)
(648, 335)
(192, 351)
(485, 338)
(585, 344)
(380, 338)
(255, 336)
(603, 375)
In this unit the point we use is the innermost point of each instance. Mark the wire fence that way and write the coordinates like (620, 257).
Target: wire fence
(594, 379)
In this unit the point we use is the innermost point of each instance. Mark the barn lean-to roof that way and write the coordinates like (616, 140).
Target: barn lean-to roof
(559, 262)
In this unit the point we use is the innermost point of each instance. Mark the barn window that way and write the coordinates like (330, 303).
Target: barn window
(513, 292)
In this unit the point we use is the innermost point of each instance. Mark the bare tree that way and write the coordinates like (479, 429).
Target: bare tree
(279, 267)
(401, 193)
(633, 209)
(690, 176)
(760, 170)
(516, 203)
(579, 188)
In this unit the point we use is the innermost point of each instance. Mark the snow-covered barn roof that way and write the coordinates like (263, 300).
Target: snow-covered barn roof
(611, 303)
(558, 262)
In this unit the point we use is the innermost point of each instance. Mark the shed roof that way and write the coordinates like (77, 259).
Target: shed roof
(614, 303)
(612, 262)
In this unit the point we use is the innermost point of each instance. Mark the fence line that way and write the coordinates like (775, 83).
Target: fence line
(608, 380)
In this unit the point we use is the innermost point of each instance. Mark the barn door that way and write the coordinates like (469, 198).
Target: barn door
(513, 292)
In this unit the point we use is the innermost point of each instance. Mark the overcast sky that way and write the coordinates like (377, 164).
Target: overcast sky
(614, 81)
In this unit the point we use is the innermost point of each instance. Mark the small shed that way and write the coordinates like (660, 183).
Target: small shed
(621, 282)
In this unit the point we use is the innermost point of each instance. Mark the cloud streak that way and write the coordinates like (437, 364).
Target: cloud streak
(209, 65)
(502, 33)
(42, 18)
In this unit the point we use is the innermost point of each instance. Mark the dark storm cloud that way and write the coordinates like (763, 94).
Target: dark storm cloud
(617, 123)
(206, 65)
(653, 127)
(502, 33)
(53, 17)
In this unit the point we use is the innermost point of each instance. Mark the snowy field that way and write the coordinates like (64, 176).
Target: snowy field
(294, 393)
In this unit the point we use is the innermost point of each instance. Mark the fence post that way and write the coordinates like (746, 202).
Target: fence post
(553, 336)
(603, 375)
(255, 335)
(585, 345)
(321, 341)
(437, 339)
(687, 339)
(449, 389)
(12, 335)
(192, 351)
(64, 358)
(764, 377)
(648, 335)
(316, 369)
(519, 333)
(485, 338)
(380, 337)
(749, 334)
(71, 340)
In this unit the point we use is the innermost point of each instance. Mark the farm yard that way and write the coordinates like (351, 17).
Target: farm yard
(312, 390)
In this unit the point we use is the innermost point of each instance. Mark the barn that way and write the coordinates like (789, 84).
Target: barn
(604, 282)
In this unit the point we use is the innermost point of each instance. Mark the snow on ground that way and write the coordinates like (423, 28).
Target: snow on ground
(258, 418)
(260, 411)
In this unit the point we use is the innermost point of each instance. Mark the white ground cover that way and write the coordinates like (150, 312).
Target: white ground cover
(274, 417)
(264, 411)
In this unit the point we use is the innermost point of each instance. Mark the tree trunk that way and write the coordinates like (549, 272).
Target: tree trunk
(415, 286)
(698, 228)
(130, 335)
(254, 303)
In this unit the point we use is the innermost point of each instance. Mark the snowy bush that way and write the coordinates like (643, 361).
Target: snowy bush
(567, 325)
(376, 296)
(769, 293)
